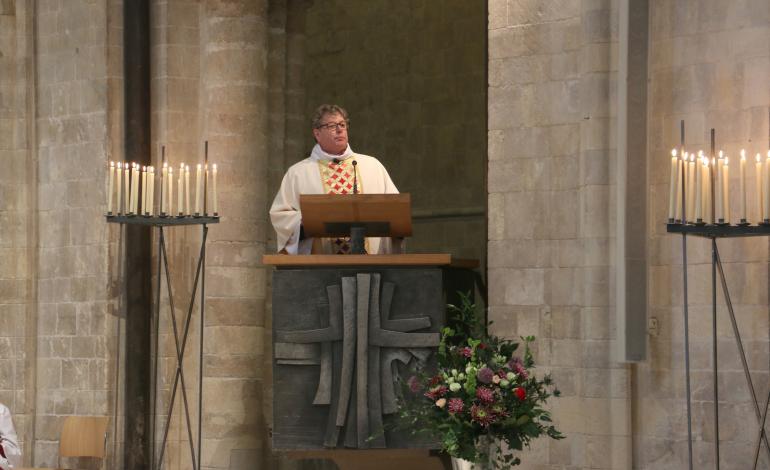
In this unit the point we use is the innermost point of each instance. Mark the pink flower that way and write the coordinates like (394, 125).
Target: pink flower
(520, 393)
(414, 384)
(481, 415)
(436, 392)
(466, 351)
(486, 395)
(441, 402)
(456, 405)
(496, 379)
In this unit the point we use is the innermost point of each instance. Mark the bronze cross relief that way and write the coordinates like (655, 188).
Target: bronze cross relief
(371, 342)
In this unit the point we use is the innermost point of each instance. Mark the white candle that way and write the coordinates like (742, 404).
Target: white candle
(198, 189)
(119, 172)
(709, 190)
(690, 187)
(718, 201)
(766, 189)
(170, 190)
(206, 189)
(214, 180)
(726, 191)
(743, 186)
(151, 188)
(145, 192)
(163, 189)
(110, 187)
(187, 189)
(180, 187)
(126, 180)
(672, 187)
(679, 172)
(698, 189)
(135, 189)
(758, 186)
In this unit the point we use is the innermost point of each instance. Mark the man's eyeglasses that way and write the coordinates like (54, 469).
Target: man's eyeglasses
(333, 126)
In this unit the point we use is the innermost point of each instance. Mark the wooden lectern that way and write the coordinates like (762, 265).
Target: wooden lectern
(356, 216)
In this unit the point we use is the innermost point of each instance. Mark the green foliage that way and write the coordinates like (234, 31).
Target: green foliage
(482, 392)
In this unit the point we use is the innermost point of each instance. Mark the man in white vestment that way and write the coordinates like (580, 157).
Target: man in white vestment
(10, 453)
(331, 168)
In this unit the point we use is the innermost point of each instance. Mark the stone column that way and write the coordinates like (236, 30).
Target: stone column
(234, 116)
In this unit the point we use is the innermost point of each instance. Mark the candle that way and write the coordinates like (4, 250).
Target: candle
(144, 191)
(151, 190)
(126, 179)
(206, 188)
(187, 189)
(743, 186)
(758, 186)
(109, 190)
(718, 201)
(180, 187)
(163, 192)
(766, 190)
(216, 210)
(135, 187)
(118, 172)
(699, 190)
(198, 184)
(170, 190)
(689, 187)
(726, 191)
(678, 203)
(672, 187)
(710, 189)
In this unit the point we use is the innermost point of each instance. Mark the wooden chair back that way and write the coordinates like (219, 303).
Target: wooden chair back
(84, 436)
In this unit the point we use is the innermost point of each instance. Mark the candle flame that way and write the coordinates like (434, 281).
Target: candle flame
(692, 157)
(215, 167)
(181, 166)
(726, 161)
(165, 164)
(720, 154)
(119, 167)
(170, 170)
(759, 158)
(112, 164)
(700, 153)
(705, 161)
(200, 166)
(743, 154)
(187, 168)
(673, 152)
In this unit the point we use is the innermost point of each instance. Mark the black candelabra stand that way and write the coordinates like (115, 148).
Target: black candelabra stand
(719, 229)
(161, 223)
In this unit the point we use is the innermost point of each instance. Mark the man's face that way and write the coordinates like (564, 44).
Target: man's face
(332, 134)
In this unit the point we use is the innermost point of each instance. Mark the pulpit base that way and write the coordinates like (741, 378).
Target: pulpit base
(386, 459)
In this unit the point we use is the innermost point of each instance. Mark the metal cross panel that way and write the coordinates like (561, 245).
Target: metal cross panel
(338, 337)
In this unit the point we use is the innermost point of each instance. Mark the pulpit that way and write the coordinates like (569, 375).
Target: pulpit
(346, 330)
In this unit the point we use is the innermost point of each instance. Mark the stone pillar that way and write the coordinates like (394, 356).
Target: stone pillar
(234, 121)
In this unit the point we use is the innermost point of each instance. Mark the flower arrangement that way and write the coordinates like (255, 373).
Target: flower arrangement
(481, 391)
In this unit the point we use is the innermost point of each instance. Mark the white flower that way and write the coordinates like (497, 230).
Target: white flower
(454, 372)
(454, 386)
(503, 383)
(510, 376)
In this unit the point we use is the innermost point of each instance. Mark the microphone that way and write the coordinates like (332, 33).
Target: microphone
(355, 178)
(336, 161)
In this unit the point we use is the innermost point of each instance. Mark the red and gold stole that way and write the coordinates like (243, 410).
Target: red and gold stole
(337, 178)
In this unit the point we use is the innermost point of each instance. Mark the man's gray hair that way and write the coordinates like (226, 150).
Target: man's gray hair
(325, 109)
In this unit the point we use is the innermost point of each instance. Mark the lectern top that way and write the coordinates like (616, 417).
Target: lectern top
(332, 215)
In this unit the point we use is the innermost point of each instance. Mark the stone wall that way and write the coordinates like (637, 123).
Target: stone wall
(17, 220)
(550, 154)
(75, 370)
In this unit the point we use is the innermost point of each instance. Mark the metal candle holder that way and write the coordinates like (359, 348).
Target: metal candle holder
(720, 229)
